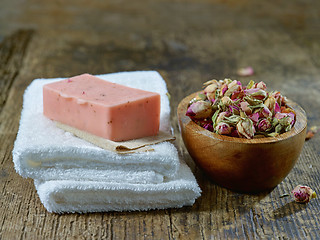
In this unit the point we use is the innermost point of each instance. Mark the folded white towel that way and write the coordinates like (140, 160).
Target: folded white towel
(72, 175)
(43, 151)
(88, 196)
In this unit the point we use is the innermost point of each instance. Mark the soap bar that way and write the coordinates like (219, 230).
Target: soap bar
(102, 108)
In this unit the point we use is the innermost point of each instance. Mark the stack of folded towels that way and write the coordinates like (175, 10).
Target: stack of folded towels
(73, 175)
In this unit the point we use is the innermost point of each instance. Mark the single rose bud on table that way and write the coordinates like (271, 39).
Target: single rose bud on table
(245, 71)
(303, 194)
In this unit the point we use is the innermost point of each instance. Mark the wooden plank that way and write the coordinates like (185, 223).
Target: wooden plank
(187, 48)
(12, 50)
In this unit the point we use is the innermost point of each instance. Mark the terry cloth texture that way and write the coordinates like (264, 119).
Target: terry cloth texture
(88, 196)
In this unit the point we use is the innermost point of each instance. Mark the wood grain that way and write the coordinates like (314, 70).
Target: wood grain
(12, 50)
(188, 42)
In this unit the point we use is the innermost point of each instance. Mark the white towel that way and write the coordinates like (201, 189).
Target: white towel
(87, 196)
(72, 175)
(43, 151)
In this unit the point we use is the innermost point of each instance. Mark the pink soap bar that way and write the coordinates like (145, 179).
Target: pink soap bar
(102, 108)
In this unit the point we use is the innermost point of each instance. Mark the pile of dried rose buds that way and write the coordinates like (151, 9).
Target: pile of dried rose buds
(227, 107)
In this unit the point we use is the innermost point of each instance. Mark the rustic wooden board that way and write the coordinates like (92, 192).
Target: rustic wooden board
(188, 42)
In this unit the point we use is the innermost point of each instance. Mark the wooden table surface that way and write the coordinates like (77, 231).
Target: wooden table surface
(188, 42)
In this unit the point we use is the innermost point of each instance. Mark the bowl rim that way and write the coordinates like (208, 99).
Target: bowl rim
(299, 126)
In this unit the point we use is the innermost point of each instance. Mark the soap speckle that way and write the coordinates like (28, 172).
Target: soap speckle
(81, 101)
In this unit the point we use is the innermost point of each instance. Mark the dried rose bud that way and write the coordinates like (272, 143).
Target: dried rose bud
(200, 109)
(265, 112)
(283, 100)
(237, 94)
(309, 135)
(261, 94)
(232, 87)
(280, 115)
(286, 121)
(276, 95)
(256, 93)
(269, 102)
(279, 98)
(226, 101)
(210, 90)
(252, 101)
(282, 122)
(232, 120)
(264, 125)
(213, 81)
(303, 194)
(234, 110)
(251, 91)
(223, 89)
(276, 108)
(254, 117)
(227, 81)
(290, 115)
(246, 71)
(250, 84)
(312, 131)
(261, 85)
(245, 128)
(245, 107)
(223, 128)
(221, 116)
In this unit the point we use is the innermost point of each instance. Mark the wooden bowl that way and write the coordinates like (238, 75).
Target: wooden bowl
(244, 165)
